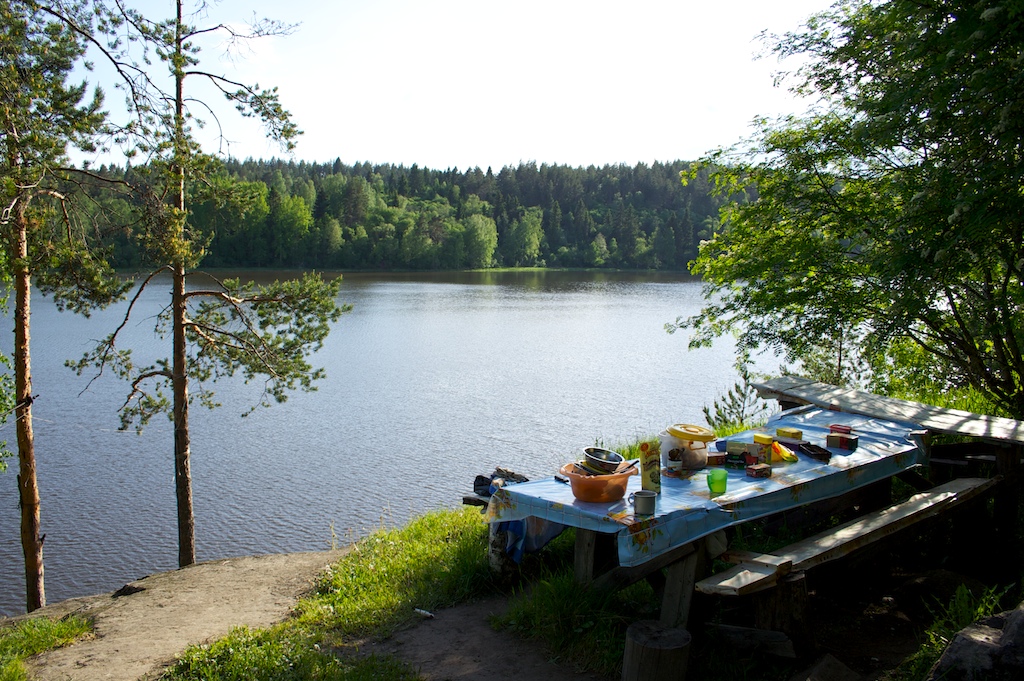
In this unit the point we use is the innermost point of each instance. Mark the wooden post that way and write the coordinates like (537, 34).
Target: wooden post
(655, 653)
(680, 578)
(1006, 496)
(586, 542)
(784, 608)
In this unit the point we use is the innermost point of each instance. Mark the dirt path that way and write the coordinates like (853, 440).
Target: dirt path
(140, 628)
(143, 626)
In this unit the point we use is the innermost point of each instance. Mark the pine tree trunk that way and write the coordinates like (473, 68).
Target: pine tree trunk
(182, 442)
(179, 369)
(28, 488)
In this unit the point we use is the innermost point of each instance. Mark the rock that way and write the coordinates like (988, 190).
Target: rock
(827, 668)
(991, 649)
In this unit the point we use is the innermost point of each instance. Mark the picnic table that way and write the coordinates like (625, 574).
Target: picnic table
(688, 526)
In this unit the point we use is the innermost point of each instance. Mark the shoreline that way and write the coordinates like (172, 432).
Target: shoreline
(139, 629)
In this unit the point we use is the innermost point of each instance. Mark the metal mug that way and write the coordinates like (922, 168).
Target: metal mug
(643, 501)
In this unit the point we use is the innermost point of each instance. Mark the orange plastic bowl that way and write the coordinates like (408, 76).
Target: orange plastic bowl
(598, 488)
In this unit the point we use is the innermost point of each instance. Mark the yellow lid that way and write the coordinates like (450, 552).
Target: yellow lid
(763, 439)
(687, 431)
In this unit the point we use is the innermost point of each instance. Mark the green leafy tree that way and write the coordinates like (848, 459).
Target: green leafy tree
(41, 116)
(664, 245)
(892, 212)
(525, 238)
(481, 241)
(217, 328)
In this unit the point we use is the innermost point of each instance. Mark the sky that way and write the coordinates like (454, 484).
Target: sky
(488, 83)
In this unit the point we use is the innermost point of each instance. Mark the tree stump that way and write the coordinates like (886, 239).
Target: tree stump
(784, 608)
(654, 652)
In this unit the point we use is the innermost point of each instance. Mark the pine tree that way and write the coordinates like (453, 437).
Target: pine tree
(41, 116)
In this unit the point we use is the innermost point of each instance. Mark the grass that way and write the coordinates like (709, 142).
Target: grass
(32, 636)
(437, 560)
(963, 609)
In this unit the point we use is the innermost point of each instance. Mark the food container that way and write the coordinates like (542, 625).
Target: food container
(842, 441)
(759, 470)
(736, 447)
(716, 458)
(735, 460)
(840, 428)
(764, 447)
(678, 453)
(688, 431)
(598, 488)
(791, 433)
(650, 466)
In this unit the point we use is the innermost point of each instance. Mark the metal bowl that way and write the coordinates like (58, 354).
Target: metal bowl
(603, 459)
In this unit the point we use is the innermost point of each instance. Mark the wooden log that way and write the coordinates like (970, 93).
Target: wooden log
(747, 639)
(655, 653)
(675, 601)
(586, 542)
(784, 609)
(1007, 495)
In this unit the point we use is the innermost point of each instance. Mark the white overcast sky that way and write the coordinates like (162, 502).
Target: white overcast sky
(464, 83)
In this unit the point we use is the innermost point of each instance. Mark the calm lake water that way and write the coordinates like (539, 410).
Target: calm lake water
(431, 379)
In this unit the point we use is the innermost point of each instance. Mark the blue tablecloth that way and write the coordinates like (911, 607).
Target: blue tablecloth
(687, 511)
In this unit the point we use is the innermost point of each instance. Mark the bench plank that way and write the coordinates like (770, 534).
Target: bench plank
(761, 572)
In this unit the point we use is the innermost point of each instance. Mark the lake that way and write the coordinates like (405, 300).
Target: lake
(431, 379)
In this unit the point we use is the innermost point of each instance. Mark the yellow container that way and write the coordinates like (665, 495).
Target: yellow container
(791, 433)
(688, 431)
(650, 465)
(764, 447)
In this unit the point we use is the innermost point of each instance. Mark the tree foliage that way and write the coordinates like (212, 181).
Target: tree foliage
(363, 216)
(893, 210)
(216, 329)
(42, 233)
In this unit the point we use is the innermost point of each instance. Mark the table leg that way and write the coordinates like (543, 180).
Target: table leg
(680, 579)
(586, 543)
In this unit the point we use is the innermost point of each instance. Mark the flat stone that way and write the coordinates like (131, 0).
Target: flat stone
(827, 668)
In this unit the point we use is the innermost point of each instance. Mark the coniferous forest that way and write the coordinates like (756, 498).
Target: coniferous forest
(386, 217)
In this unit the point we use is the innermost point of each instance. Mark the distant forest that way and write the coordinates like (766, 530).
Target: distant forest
(383, 217)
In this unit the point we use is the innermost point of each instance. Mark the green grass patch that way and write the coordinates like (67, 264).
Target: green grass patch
(581, 627)
(33, 636)
(437, 560)
(281, 653)
(963, 609)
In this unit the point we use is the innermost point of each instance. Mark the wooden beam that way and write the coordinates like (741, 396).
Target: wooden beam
(621, 577)
(679, 580)
(750, 577)
(937, 419)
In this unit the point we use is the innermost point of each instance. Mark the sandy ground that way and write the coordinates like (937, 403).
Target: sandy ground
(140, 628)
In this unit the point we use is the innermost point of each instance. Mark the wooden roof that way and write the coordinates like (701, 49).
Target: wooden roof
(937, 419)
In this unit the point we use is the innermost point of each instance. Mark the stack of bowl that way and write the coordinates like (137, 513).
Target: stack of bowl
(600, 477)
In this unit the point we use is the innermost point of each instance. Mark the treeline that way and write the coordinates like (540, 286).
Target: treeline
(327, 216)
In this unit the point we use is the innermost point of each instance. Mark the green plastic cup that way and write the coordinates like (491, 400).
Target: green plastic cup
(717, 478)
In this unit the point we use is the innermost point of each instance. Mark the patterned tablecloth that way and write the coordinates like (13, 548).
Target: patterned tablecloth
(687, 511)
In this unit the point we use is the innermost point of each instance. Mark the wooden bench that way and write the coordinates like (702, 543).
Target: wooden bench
(757, 572)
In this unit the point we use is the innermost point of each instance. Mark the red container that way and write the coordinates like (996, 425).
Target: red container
(759, 470)
(842, 441)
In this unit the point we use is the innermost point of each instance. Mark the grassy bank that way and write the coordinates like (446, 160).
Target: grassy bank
(439, 560)
(32, 636)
